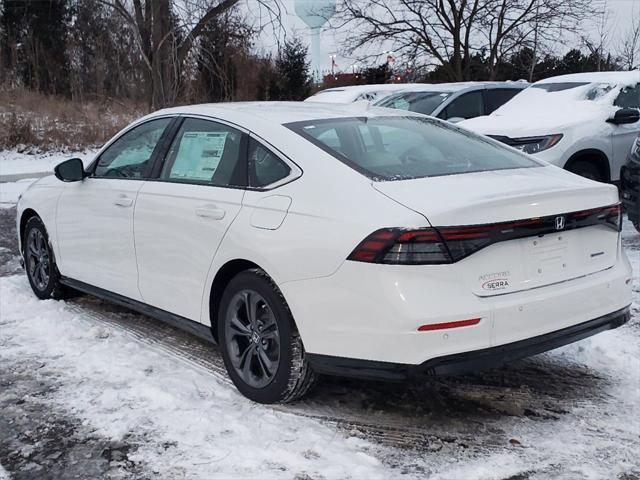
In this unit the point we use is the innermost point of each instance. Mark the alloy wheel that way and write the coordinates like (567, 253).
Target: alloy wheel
(38, 259)
(252, 338)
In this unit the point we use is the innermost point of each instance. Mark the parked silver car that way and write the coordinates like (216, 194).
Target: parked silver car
(454, 101)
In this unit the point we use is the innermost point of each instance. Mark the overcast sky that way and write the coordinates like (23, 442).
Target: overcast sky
(620, 19)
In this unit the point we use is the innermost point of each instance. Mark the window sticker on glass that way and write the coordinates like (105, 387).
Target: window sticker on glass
(199, 155)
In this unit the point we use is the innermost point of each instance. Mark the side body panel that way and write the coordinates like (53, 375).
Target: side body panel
(95, 234)
(178, 228)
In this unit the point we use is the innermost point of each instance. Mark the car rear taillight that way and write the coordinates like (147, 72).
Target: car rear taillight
(398, 246)
(438, 245)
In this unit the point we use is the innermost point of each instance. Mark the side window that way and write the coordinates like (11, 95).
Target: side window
(629, 97)
(206, 152)
(468, 105)
(495, 98)
(129, 156)
(265, 168)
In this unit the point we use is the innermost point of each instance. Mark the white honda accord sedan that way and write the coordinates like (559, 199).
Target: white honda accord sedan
(325, 239)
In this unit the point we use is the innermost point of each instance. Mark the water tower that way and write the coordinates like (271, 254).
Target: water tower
(315, 13)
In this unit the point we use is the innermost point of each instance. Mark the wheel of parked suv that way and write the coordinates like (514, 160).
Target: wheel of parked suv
(39, 262)
(586, 169)
(636, 224)
(261, 346)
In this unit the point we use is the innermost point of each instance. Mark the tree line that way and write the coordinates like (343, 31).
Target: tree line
(459, 40)
(161, 52)
(164, 52)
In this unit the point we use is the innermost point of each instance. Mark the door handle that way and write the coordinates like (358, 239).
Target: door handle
(123, 201)
(211, 212)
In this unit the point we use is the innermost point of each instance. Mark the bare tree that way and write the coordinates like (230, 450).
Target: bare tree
(446, 33)
(165, 39)
(596, 42)
(629, 49)
(508, 25)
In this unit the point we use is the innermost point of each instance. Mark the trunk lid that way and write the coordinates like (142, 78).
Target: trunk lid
(508, 195)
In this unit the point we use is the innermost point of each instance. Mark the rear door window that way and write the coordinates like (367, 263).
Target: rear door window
(468, 105)
(206, 152)
(496, 97)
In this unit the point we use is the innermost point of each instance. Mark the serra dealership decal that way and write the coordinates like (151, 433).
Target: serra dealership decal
(495, 281)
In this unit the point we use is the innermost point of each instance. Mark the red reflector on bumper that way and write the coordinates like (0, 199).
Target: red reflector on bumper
(445, 325)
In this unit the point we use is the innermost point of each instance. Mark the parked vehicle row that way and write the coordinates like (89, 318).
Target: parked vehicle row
(584, 123)
(312, 238)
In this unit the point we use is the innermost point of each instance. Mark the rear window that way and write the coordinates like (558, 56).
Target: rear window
(400, 148)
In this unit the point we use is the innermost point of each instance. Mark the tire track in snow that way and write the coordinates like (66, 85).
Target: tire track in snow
(410, 416)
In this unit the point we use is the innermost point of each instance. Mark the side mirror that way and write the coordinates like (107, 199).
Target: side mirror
(70, 170)
(625, 115)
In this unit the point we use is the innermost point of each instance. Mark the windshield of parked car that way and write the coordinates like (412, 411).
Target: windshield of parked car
(421, 102)
(406, 147)
(558, 87)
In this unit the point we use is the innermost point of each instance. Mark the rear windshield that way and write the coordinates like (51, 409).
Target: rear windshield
(399, 148)
(421, 102)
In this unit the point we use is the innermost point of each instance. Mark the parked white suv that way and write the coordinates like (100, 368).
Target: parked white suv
(584, 122)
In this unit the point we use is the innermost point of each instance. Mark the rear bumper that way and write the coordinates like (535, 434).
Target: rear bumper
(468, 361)
(373, 312)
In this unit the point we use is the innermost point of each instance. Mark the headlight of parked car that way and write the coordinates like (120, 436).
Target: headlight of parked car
(536, 144)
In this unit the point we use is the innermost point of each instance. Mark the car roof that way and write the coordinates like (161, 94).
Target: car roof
(247, 113)
(458, 86)
(627, 77)
(373, 87)
(352, 92)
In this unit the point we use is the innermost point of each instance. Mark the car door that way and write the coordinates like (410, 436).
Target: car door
(182, 215)
(94, 219)
(624, 135)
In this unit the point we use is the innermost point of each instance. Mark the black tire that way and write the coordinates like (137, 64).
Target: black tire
(292, 378)
(587, 169)
(636, 224)
(40, 265)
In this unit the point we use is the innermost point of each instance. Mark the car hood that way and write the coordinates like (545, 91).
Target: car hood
(498, 196)
(536, 112)
(531, 125)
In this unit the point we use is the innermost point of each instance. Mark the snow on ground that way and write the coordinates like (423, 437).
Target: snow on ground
(10, 191)
(83, 387)
(196, 425)
(13, 162)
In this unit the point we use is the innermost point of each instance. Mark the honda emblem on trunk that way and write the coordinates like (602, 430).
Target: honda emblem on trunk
(559, 223)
